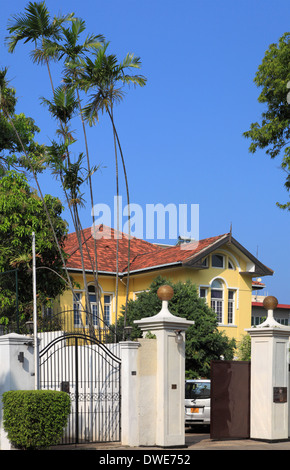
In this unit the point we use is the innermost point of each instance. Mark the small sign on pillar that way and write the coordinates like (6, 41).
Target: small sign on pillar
(269, 377)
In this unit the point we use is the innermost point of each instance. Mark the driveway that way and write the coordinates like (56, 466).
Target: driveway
(195, 439)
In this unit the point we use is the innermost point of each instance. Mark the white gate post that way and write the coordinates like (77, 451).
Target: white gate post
(269, 377)
(129, 393)
(170, 371)
(16, 371)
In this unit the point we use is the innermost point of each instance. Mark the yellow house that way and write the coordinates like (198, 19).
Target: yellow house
(222, 269)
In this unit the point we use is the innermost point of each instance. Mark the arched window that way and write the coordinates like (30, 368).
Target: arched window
(94, 305)
(230, 264)
(102, 316)
(217, 261)
(217, 299)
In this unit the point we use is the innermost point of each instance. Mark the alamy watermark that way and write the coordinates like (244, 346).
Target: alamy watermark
(155, 221)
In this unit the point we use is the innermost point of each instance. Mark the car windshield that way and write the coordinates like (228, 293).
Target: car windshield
(197, 390)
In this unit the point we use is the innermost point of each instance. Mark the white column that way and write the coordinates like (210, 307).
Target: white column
(170, 373)
(269, 377)
(16, 371)
(129, 393)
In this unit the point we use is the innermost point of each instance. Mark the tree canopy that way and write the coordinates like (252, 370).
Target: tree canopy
(204, 342)
(17, 133)
(273, 132)
(21, 213)
(88, 73)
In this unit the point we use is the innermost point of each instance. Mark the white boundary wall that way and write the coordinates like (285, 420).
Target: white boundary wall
(14, 375)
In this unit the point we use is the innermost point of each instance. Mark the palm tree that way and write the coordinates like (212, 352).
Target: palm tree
(106, 77)
(35, 25)
(63, 108)
(71, 51)
(104, 73)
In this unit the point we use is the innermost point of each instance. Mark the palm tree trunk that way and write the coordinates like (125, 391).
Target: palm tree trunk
(129, 224)
(95, 268)
(118, 230)
(76, 222)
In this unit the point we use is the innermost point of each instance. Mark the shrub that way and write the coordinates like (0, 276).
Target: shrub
(35, 419)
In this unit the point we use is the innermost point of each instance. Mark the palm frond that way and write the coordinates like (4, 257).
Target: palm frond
(34, 25)
(64, 105)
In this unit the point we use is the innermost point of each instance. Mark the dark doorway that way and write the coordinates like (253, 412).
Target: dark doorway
(230, 400)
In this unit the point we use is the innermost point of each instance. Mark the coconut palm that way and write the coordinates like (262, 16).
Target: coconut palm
(107, 77)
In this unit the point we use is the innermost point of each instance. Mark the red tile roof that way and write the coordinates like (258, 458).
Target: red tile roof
(260, 304)
(258, 284)
(172, 255)
(143, 255)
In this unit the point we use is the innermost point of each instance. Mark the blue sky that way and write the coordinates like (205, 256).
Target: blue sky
(182, 133)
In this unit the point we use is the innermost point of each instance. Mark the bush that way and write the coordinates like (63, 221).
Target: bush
(35, 419)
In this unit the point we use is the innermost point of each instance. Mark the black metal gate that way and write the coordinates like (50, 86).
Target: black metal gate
(86, 369)
(230, 400)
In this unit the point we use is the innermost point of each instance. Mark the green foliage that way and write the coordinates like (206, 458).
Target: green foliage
(244, 348)
(273, 133)
(21, 213)
(103, 77)
(34, 25)
(204, 342)
(35, 419)
(17, 133)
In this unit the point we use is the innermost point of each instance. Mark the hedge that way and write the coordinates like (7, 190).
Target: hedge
(35, 419)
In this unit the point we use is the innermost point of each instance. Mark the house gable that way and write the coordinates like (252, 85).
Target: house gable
(253, 266)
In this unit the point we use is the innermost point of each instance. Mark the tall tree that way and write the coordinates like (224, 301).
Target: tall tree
(21, 213)
(105, 77)
(20, 139)
(53, 40)
(71, 50)
(273, 132)
(36, 26)
(63, 107)
(11, 151)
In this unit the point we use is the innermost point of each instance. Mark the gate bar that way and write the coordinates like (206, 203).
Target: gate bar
(36, 355)
(77, 390)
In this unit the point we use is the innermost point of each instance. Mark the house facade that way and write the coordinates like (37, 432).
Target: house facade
(222, 269)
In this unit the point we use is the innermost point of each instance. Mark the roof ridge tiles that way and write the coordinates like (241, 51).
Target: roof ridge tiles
(144, 254)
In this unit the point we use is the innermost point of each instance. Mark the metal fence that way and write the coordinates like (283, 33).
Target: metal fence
(89, 372)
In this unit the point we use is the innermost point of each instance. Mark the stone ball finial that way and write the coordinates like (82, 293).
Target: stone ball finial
(165, 292)
(270, 302)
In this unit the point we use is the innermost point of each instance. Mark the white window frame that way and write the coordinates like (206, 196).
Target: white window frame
(108, 304)
(94, 310)
(206, 291)
(217, 304)
(230, 262)
(232, 303)
(222, 256)
(77, 309)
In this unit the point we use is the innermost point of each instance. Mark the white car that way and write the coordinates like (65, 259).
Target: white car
(197, 402)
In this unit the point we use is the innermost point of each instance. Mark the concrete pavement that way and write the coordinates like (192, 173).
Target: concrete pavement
(194, 441)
